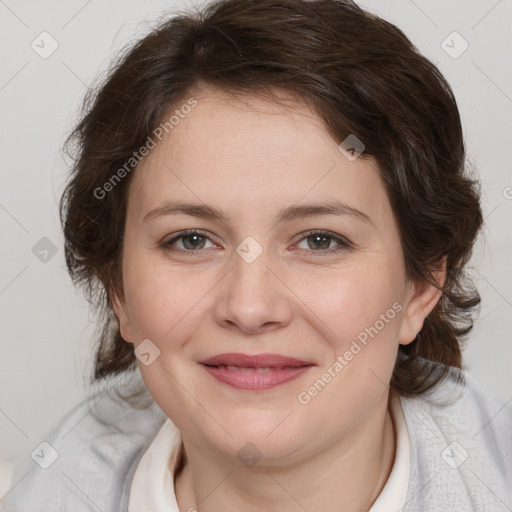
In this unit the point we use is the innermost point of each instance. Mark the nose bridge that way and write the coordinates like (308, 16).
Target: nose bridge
(252, 297)
(249, 283)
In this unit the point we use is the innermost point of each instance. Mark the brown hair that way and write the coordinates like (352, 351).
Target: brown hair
(360, 74)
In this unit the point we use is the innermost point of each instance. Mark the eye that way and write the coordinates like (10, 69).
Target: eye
(192, 242)
(188, 241)
(323, 242)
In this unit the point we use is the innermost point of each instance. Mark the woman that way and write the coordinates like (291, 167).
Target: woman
(269, 201)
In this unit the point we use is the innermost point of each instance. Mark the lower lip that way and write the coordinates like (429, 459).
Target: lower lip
(255, 380)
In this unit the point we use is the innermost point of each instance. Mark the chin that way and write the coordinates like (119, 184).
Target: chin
(260, 435)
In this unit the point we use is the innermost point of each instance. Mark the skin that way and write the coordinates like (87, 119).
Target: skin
(251, 157)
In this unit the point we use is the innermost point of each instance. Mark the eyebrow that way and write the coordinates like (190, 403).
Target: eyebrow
(288, 214)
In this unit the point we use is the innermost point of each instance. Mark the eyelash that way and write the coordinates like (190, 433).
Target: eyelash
(343, 243)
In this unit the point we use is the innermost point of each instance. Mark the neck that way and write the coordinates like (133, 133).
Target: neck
(349, 473)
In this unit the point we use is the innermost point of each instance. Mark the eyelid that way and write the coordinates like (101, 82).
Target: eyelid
(182, 234)
(343, 243)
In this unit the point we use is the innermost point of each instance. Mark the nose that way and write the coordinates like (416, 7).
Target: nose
(252, 299)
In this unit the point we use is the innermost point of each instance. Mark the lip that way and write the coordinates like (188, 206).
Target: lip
(254, 361)
(255, 372)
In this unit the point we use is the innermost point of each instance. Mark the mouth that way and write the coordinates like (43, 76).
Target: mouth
(255, 372)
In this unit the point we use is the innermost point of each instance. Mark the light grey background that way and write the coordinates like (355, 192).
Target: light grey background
(46, 328)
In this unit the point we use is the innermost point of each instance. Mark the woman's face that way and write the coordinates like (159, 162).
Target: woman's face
(296, 254)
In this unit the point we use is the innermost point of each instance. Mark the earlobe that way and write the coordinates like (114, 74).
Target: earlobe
(119, 305)
(421, 300)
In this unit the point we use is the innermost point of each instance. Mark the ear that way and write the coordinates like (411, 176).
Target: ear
(119, 305)
(421, 300)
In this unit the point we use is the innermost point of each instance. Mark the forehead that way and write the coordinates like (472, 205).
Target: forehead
(249, 151)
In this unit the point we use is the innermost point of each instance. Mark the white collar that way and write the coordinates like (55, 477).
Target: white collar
(152, 485)
(392, 496)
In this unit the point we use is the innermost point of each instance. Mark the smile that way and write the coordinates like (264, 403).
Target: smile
(257, 372)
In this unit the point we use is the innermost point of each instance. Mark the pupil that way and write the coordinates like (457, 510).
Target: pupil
(197, 239)
(322, 240)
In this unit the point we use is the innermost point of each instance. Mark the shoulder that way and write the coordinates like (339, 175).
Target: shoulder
(87, 461)
(461, 407)
(461, 447)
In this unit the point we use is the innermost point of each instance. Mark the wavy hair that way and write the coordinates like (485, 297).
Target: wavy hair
(360, 74)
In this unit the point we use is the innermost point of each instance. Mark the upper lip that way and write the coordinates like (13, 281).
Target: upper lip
(254, 361)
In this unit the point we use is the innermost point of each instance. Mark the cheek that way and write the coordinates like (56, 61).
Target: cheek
(164, 306)
(162, 301)
(362, 311)
(352, 300)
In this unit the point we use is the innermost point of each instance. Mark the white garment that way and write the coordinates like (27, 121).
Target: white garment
(392, 497)
(152, 486)
(460, 452)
